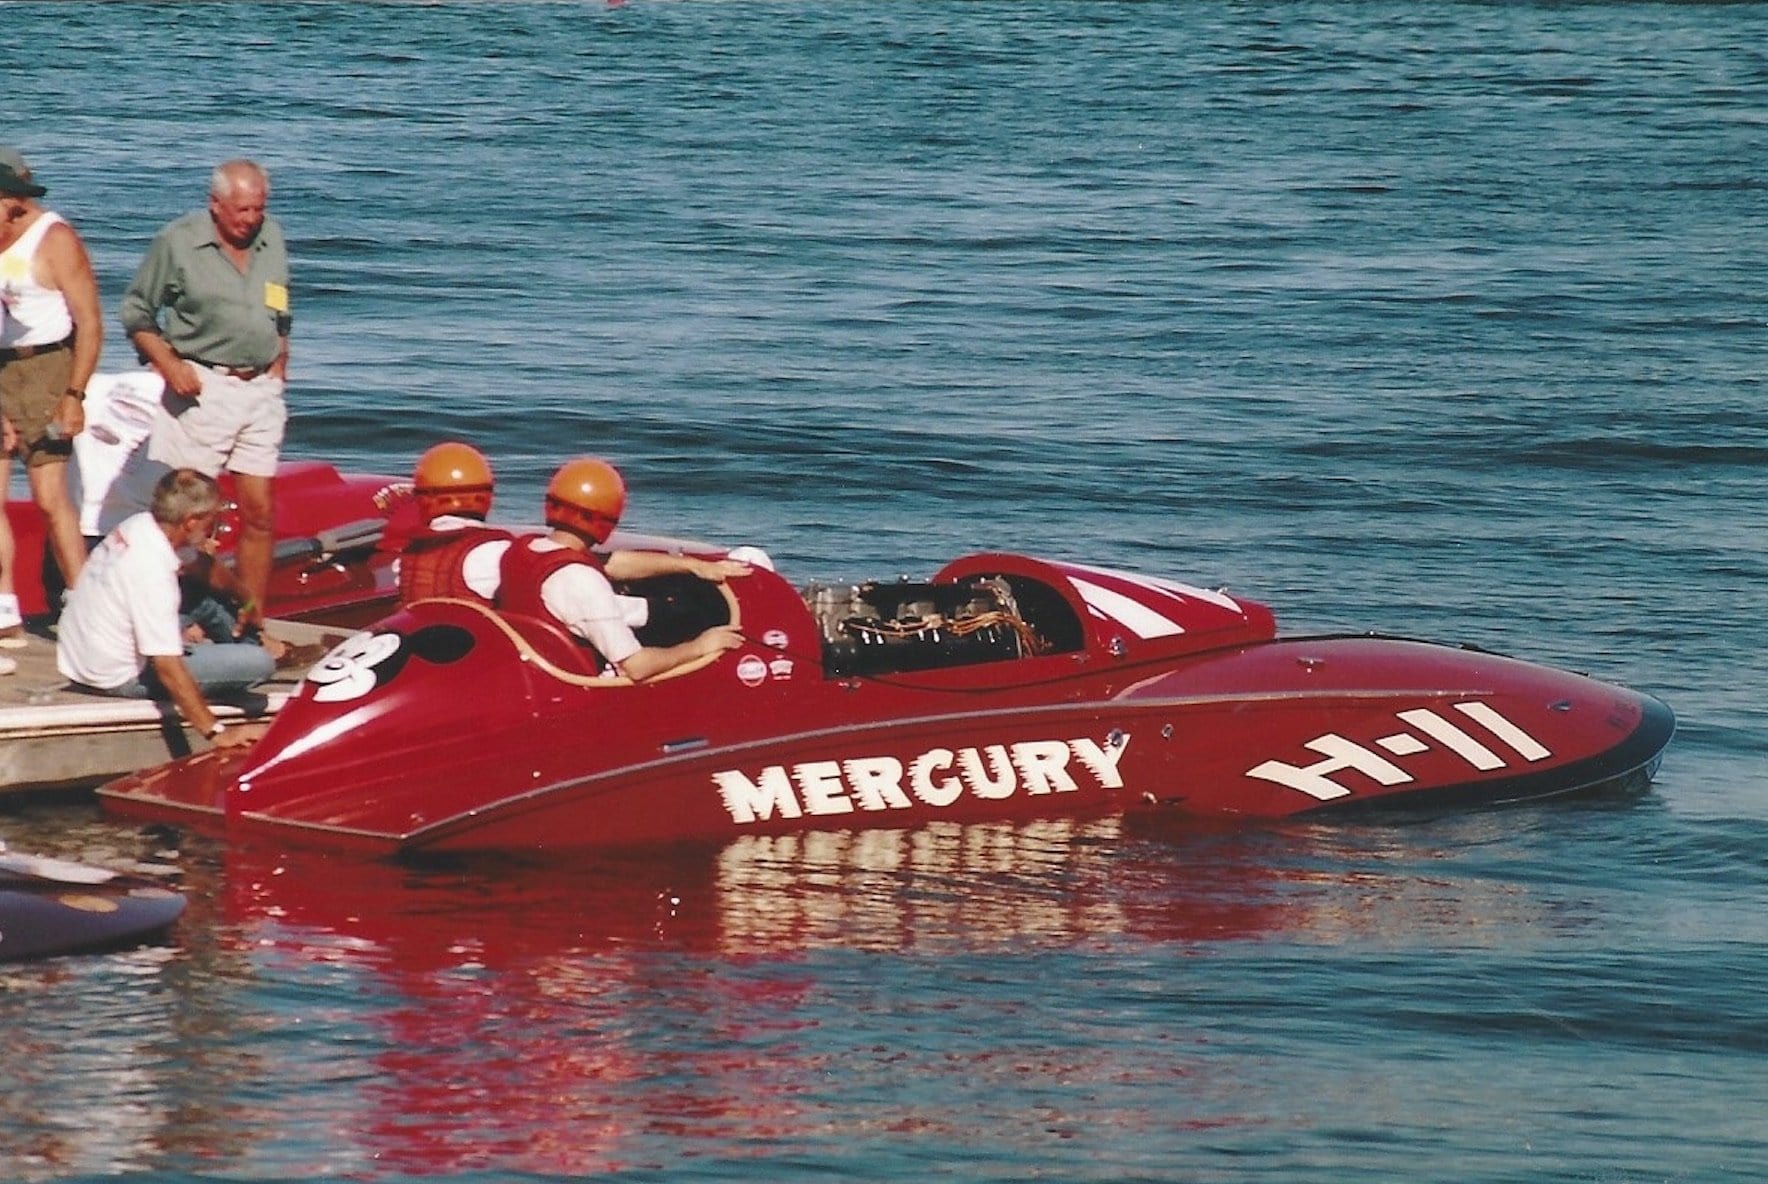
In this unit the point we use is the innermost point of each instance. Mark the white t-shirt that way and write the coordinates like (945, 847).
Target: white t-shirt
(123, 609)
(581, 596)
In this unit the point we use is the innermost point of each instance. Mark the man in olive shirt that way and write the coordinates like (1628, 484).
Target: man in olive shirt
(209, 310)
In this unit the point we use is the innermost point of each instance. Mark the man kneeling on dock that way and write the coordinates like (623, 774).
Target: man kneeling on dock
(120, 632)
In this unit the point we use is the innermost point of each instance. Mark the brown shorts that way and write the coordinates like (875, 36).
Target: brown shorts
(29, 390)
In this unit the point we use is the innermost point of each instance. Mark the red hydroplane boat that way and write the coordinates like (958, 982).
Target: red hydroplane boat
(328, 562)
(1004, 687)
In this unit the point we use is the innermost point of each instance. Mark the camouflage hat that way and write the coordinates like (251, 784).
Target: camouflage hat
(15, 175)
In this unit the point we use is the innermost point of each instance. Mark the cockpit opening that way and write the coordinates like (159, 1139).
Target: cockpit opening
(890, 627)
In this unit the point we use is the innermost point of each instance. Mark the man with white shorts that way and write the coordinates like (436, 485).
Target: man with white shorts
(209, 310)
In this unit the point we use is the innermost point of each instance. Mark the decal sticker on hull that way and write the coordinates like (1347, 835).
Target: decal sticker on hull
(1428, 730)
(751, 671)
(938, 778)
(365, 662)
(352, 669)
(1138, 618)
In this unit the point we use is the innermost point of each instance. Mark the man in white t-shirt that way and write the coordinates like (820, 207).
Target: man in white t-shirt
(120, 633)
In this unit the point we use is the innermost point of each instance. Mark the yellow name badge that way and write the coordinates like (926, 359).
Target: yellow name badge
(276, 297)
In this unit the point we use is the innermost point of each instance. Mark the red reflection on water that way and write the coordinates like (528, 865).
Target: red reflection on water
(505, 999)
(564, 1018)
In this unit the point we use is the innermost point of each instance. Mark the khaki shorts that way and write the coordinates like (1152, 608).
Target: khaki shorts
(29, 390)
(234, 424)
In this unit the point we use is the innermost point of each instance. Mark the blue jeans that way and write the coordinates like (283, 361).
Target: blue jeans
(219, 668)
(212, 617)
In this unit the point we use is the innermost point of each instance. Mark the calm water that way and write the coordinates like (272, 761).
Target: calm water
(1441, 319)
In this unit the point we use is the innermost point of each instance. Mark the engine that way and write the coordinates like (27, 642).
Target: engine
(878, 628)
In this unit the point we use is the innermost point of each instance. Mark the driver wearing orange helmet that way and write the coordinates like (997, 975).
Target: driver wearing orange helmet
(453, 553)
(559, 577)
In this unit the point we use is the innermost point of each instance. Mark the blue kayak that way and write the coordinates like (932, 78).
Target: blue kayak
(52, 906)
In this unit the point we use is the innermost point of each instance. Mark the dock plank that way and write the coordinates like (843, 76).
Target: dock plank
(53, 736)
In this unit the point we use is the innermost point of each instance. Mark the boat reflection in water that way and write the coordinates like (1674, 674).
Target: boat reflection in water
(573, 1019)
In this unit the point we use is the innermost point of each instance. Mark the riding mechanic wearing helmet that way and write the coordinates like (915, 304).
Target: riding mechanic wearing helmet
(559, 577)
(454, 553)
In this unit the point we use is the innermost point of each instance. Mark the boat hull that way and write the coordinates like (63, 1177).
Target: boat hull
(1042, 763)
(449, 728)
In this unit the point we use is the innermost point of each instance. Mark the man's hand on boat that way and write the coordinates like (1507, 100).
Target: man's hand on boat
(651, 661)
(239, 735)
(642, 565)
(720, 570)
(720, 639)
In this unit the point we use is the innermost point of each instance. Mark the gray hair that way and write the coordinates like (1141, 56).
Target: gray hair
(184, 493)
(221, 181)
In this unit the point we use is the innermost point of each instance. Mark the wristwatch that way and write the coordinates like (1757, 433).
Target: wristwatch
(215, 730)
(76, 392)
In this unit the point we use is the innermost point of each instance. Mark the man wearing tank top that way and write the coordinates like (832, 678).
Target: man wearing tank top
(51, 329)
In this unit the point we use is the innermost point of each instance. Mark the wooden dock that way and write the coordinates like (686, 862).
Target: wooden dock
(54, 737)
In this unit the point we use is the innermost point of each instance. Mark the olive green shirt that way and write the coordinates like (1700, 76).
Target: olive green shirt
(188, 291)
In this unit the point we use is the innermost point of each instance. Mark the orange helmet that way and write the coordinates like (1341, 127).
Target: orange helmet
(452, 478)
(586, 497)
